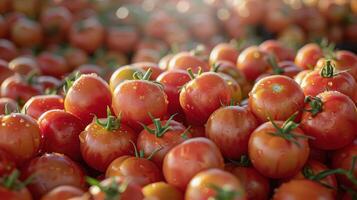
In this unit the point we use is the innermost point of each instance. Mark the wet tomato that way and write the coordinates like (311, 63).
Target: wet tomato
(122, 74)
(37, 105)
(308, 55)
(223, 51)
(185, 60)
(162, 191)
(278, 50)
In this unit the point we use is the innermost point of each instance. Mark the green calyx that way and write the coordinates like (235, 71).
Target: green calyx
(274, 65)
(111, 123)
(12, 181)
(244, 161)
(286, 131)
(140, 76)
(112, 191)
(160, 129)
(223, 193)
(316, 105)
(69, 80)
(328, 70)
(192, 75)
(215, 67)
(328, 49)
(141, 153)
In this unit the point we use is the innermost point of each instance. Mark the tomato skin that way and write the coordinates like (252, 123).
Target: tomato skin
(24, 65)
(185, 160)
(275, 157)
(52, 65)
(52, 170)
(346, 60)
(63, 192)
(223, 51)
(122, 39)
(337, 108)
(162, 191)
(301, 75)
(302, 189)
(308, 55)
(134, 99)
(33, 30)
(7, 163)
(38, 105)
(83, 97)
(202, 96)
(10, 103)
(122, 74)
(230, 128)
(199, 186)
(75, 57)
(278, 50)
(256, 186)
(60, 131)
(185, 60)
(5, 71)
(270, 93)
(18, 129)
(22, 194)
(140, 171)
(8, 50)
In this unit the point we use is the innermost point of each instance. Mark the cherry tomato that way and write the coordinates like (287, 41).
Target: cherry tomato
(33, 36)
(162, 191)
(7, 163)
(346, 60)
(156, 70)
(24, 65)
(185, 60)
(321, 111)
(123, 39)
(63, 192)
(225, 52)
(308, 55)
(75, 57)
(122, 74)
(301, 75)
(37, 105)
(233, 85)
(52, 65)
(48, 82)
(278, 50)
(8, 50)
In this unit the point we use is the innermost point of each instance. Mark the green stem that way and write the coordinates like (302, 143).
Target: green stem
(328, 70)
(316, 105)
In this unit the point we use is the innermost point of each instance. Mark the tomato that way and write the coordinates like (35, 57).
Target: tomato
(37, 105)
(308, 55)
(52, 170)
(278, 149)
(48, 82)
(200, 97)
(290, 68)
(301, 75)
(252, 62)
(60, 131)
(5, 71)
(185, 160)
(82, 98)
(122, 74)
(19, 136)
(318, 155)
(162, 191)
(103, 140)
(52, 64)
(90, 69)
(276, 97)
(225, 52)
(278, 50)
(75, 57)
(87, 34)
(116, 188)
(233, 85)
(302, 189)
(156, 70)
(327, 107)
(279, 17)
(163, 63)
(7, 163)
(185, 60)
(214, 184)
(250, 12)
(332, 10)
(255, 185)
(123, 39)
(8, 50)
(7, 103)
(230, 128)
(173, 81)
(146, 55)
(135, 99)
(24, 65)
(164, 137)
(33, 36)
(63, 192)
(346, 60)
(13, 189)
(328, 79)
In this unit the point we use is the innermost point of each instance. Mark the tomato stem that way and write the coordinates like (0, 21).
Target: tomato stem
(69, 80)
(215, 67)
(112, 191)
(315, 104)
(224, 193)
(111, 123)
(328, 70)
(274, 65)
(159, 130)
(140, 76)
(12, 181)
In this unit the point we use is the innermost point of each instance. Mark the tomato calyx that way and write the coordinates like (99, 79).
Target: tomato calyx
(315, 104)
(328, 49)
(8, 111)
(159, 130)
(192, 75)
(69, 81)
(112, 191)
(215, 67)
(140, 76)
(111, 123)
(244, 161)
(328, 70)
(141, 153)
(274, 65)
(286, 131)
(238, 43)
(12, 181)
(223, 193)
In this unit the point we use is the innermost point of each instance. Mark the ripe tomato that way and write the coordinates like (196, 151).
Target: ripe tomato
(200, 97)
(33, 36)
(7, 103)
(75, 57)
(278, 149)
(230, 128)
(278, 50)
(185, 160)
(13, 189)
(252, 62)
(301, 75)
(236, 91)
(37, 105)
(255, 185)
(7, 163)
(123, 39)
(346, 60)
(20, 136)
(50, 171)
(214, 184)
(52, 64)
(122, 74)
(156, 70)
(136, 99)
(5, 71)
(185, 60)
(277, 97)
(163, 63)
(225, 52)
(321, 111)
(83, 97)
(63, 192)
(8, 50)
(60, 131)
(24, 65)
(162, 191)
(308, 55)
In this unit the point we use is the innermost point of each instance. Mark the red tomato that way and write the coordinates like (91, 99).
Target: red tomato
(60, 131)
(278, 50)
(290, 68)
(308, 55)
(185, 160)
(301, 75)
(318, 155)
(37, 105)
(48, 82)
(122, 74)
(278, 149)
(82, 98)
(8, 50)
(7, 163)
(50, 171)
(162, 191)
(200, 97)
(214, 184)
(63, 192)
(75, 57)
(225, 52)
(276, 97)
(24, 65)
(185, 60)
(52, 64)
(33, 36)
(302, 189)
(321, 111)
(123, 39)
(14, 189)
(19, 136)
(230, 128)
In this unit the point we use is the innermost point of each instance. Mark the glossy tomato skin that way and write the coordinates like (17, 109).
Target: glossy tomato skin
(346, 60)
(223, 51)
(308, 55)
(274, 156)
(199, 186)
(38, 105)
(278, 50)
(52, 64)
(200, 97)
(9, 103)
(230, 128)
(185, 60)
(172, 81)
(302, 189)
(162, 191)
(5, 71)
(99, 147)
(24, 65)
(140, 171)
(301, 75)
(123, 39)
(83, 97)
(52, 170)
(60, 131)
(63, 192)
(122, 74)
(22, 194)
(7, 163)
(337, 108)
(20, 136)
(134, 99)
(277, 97)
(185, 160)
(256, 186)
